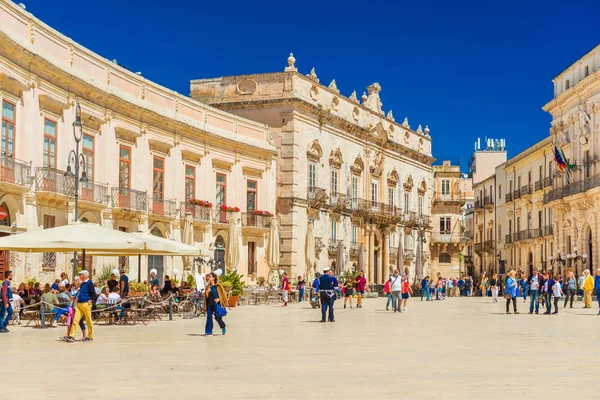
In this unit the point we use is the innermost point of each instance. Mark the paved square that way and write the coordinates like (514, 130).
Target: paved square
(460, 348)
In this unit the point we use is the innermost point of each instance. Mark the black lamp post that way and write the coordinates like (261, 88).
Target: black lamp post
(78, 161)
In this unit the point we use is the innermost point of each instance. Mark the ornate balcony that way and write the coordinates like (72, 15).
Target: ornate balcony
(411, 219)
(333, 246)
(478, 204)
(547, 181)
(199, 214)
(449, 199)
(526, 191)
(573, 188)
(317, 197)
(319, 246)
(548, 231)
(338, 202)
(162, 207)
(409, 255)
(508, 239)
(379, 212)
(52, 180)
(354, 249)
(488, 202)
(393, 253)
(129, 199)
(488, 246)
(255, 221)
(516, 194)
(508, 198)
(425, 221)
(94, 192)
(478, 247)
(15, 174)
(539, 185)
(442, 237)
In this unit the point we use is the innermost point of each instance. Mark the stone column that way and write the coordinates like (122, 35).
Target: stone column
(385, 258)
(371, 250)
(595, 225)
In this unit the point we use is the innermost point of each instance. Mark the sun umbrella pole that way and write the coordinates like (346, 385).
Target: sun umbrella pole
(139, 267)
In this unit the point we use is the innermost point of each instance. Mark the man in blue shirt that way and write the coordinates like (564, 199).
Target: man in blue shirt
(83, 308)
(327, 294)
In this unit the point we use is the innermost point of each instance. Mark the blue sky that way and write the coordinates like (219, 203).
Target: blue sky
(465, 68)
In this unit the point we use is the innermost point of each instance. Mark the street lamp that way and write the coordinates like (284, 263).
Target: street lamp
(558, 260)
(578, 257)
(78, 161)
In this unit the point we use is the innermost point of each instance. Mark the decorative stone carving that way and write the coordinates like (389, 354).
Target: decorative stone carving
(405, 123)
(291, 63)
(364, 97)
(393, 178)
(390, 116)
(314, 151)
(356, 113)
(426, 130)
(419, 129)
(391, 130)
(408, 184)
(421, 143)
(358, 167)
(335, 102)
(314, 92)
(353, 97)
(313, 75)
(333, 86)
(335, 158)
(373, 101)
(247, 86)
(584, 121)
(406, 137)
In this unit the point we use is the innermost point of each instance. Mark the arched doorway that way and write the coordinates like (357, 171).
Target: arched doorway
(5, 254)
(530, 263)
(156, 262)
(219, 254)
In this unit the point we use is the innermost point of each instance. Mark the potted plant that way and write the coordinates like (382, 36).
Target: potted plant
(233, 284)
(200, 203)
(228, 209)
(137, 289)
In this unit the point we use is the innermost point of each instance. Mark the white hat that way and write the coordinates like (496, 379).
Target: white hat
(84, 273)
(115, 272)
(326, 269)
(153, 271)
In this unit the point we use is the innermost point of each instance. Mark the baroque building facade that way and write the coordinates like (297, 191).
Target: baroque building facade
(359, 177)
(150, 155)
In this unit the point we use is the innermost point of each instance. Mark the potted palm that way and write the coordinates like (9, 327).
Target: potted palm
(233, 284)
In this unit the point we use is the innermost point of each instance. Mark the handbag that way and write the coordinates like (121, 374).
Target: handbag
(507, 296)
(220, 311)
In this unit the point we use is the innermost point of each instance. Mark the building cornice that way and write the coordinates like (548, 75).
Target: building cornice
(572, 97)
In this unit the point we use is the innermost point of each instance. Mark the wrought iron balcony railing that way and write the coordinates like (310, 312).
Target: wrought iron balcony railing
(333, 246)
(255, 221)
(573, 188)
(53, 180)
(338, 202)
(548, 230)
(15, 171)
(164, 207)
(198, 213)
(129, 199)
(317, 197)
(443, 237)
(94, 192)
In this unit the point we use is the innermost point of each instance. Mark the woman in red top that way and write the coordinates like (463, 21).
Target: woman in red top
(359, 286)
(406, 289)
(285, 288)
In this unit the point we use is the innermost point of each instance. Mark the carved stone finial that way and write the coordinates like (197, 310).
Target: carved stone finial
(291, 63)
(373, 101)
(419, 129)
(333, 86)
(390, 116)
(353, 97)
(426, 130)
(364, 97)
(313, 75)
(405, 123)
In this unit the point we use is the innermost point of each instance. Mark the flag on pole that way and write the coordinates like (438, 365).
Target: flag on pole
(561, 161)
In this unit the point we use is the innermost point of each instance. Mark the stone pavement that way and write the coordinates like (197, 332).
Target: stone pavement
(463, 348)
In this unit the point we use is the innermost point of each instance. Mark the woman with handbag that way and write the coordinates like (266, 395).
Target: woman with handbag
(510, 291)
(494, 288)
(214, 298)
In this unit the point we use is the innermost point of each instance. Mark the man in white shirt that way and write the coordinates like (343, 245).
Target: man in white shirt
(396, 288)
(114, 299)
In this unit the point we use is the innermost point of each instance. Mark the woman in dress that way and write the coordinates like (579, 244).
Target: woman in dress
(510, 291)
(360, 283)
(214, 294)
(348, 290)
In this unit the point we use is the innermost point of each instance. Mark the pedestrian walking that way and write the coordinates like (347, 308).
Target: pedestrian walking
(494, 288)
(510, 291)
(406, 291)
(327, 295)
(123, 285)
(524, 287)
(72, 294)
(360, 283)
(300, 288)
(468, 286)
(588, 286)
(396, 288)
(557, 292)
(570, 289)
(214, 297)
(285, 289)
(547, 290)
(597, 287)
(83, 307)
(388, 293)
(439, 291)
(535, 282)
(425, 288)
(348, 290)
(6, 310)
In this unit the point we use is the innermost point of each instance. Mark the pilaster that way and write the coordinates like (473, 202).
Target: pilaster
(371, 234)
(384, 266)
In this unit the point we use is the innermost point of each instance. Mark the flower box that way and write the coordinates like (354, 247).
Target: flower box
(200, 203)
(261, 213)
(228, 209)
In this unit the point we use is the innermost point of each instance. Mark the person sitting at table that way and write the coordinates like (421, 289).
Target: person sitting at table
(115, 298)
(154, 291)
(103, 298)
(55, 286)
(51, 305)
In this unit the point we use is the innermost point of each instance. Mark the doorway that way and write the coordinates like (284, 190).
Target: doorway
(530, 263)
(156, 262)
(5, 254)
(219, 254)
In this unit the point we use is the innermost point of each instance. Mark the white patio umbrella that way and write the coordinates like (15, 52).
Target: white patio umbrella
(232, 251)
(309, 250)
(273, 251)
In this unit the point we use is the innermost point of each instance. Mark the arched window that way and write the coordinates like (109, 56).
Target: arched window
(445, 258)
(156, 232)
(219, 254)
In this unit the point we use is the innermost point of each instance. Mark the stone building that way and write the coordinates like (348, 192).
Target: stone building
(448, 237)
(148, 153)
(575, 198)
(362, 178)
